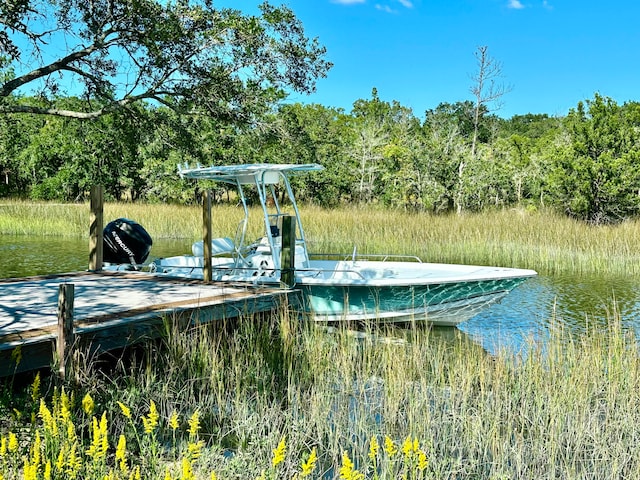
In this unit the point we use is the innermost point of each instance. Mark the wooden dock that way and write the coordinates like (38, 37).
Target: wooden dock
(112, 310)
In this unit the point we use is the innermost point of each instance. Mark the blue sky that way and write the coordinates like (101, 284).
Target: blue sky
(553, 53)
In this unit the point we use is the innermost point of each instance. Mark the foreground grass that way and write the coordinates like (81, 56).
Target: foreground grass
(543, 241)
(279, 399)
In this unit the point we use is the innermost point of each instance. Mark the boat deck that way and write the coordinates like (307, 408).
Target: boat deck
(112, 310)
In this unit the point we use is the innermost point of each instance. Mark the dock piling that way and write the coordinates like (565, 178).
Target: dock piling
(287, 254)
(207, 236)
(95, 228)
(65, 342)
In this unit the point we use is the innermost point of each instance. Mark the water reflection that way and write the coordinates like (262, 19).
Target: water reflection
(524, 316)
(571, 301)
(22, 256)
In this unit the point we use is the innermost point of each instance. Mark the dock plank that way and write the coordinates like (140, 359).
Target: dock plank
(112, 310)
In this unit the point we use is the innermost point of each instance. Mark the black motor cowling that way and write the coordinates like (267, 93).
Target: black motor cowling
(125, 241)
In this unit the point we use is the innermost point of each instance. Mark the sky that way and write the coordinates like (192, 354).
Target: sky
(553, 53)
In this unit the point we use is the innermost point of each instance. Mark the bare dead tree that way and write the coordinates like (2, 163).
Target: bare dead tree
(487, 89)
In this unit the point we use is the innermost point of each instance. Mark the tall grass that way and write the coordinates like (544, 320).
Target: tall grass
(544, 241)
(273, 392)
(376, 404)
(541, 240)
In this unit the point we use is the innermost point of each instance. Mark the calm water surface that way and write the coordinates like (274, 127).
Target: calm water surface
(525, 315)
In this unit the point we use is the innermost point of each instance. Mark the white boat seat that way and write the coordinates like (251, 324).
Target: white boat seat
(219, 246)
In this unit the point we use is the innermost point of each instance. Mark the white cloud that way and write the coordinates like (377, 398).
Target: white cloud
(515, 4)
(385, 8)
(406, 3)
(348, 2)
(547, 5)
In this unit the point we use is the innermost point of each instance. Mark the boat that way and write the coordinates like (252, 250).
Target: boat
(335, 288)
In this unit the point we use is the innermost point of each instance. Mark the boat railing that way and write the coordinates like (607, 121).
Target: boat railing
(313, 272)
(384, 257)
(317, 271)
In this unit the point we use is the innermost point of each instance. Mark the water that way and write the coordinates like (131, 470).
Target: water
(22, 256)
(525, 315)
(563, 301)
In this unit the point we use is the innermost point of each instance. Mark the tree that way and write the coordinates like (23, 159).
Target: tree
(185, 54)
(595, 176)
(486, 89)
(317, 134)
(60, 158)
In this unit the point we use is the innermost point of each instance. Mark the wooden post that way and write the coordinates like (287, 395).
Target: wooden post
(288, 251)
(95, 229)
(207, 236)
(64, 350)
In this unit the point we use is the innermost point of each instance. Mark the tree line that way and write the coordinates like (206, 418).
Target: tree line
(584, 164)
(156, 84)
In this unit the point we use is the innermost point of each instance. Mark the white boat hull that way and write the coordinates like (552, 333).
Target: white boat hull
(369, 291)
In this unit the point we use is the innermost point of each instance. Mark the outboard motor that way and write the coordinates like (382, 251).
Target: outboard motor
(125, 241)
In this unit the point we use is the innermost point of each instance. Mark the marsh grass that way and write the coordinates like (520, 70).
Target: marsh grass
(368, 404)
(541, 240)
(376, 403)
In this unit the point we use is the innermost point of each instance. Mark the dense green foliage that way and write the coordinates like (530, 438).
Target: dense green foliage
(379, 153)
(187, 55)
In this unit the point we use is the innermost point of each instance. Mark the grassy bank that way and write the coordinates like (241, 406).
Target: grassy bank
(543, 241)
(283, 400)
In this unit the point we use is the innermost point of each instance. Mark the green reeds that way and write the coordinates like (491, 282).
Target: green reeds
(279, 398)
(544, 241)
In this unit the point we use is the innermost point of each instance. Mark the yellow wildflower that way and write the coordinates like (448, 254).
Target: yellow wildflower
(16, 355)
(47, 470)
(49, 423)
(374, 447)
(407, 447)
(3, 446)
(60, 460)
(99, 441)
(135, 474)
(309, 466)
(87, 404)
(35, 388)
(423, 463)
(29, 472)
(150, 422)
(167, 475)
(194, 449)
(104, 434)
(13, 442)
(125, 410)
(187, 472)
(213, 476)
(194, 424)
(121, 454)
(173, 421)
(347, 470)
(389, 447)
(279, 453)
(65, 406)
(36, 451)
(74, 462)
(71, 430)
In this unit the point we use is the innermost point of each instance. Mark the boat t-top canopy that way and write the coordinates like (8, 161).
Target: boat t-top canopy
(262, 173)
